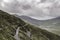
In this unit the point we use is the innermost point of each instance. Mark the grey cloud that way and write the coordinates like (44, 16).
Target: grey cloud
(38, 11)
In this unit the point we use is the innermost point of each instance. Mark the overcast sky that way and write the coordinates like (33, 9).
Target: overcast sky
(38, 9)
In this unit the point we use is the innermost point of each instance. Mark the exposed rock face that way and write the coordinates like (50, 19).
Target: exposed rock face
(13, 28)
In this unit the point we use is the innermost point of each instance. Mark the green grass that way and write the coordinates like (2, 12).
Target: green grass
(9, 24)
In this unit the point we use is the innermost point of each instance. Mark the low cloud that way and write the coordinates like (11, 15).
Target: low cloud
(37, 9)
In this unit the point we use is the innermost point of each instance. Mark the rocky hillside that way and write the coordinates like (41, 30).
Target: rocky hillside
(13, 28)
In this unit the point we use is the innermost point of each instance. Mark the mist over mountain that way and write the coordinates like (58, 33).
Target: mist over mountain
(30, 20)
(37, 22)
(37, 9)
(14, 28)
(52, 25)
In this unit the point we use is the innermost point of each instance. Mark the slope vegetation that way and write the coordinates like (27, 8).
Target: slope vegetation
(13, 28)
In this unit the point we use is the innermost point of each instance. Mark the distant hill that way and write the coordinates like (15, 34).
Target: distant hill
(30, 20)
(13, 28)
(52, 25)
(37, 22)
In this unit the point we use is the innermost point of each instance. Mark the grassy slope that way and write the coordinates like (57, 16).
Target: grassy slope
(9, 24)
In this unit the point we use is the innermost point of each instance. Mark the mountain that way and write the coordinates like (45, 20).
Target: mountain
(13, 28)
(40, 22)
(30, 20)
(37, 22)
(52, 25)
